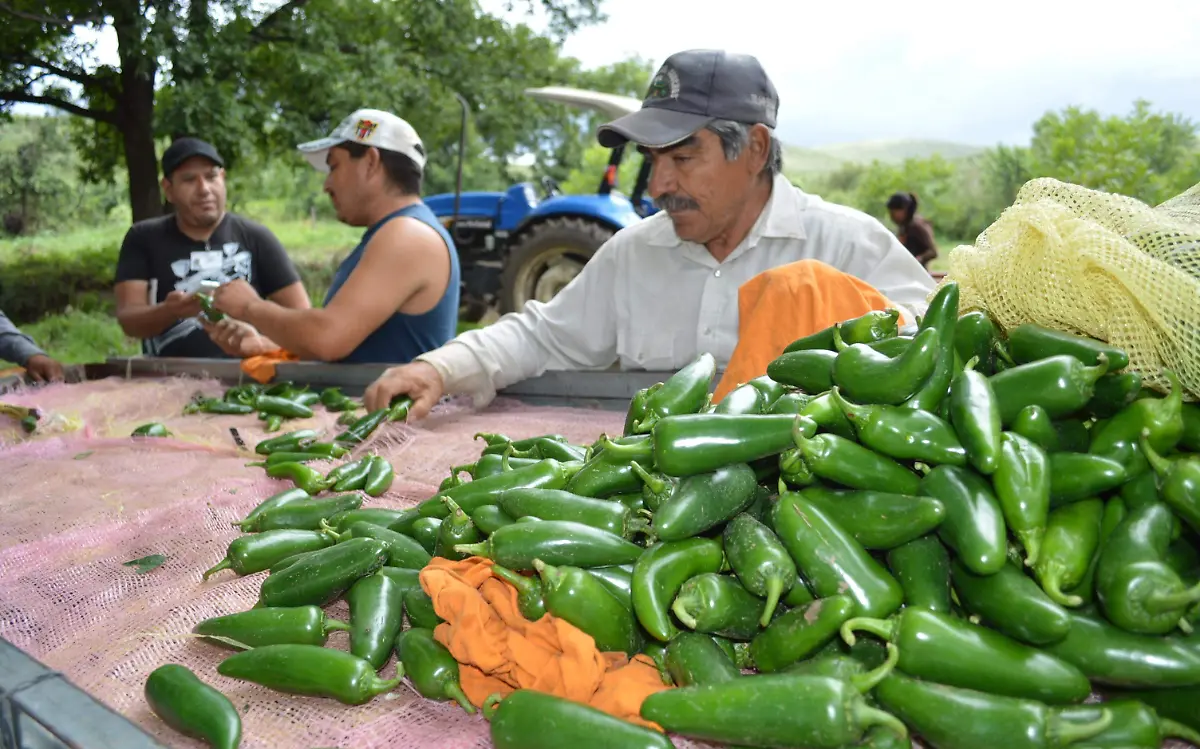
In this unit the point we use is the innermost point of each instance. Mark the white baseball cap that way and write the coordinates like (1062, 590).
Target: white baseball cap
(370, 127)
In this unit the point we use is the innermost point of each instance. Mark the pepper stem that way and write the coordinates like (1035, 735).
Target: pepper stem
(1098, 370)
(1162, 466)
(854, 412)
(504, 464)
(518, 581)
(636, 525)
(492, 440)
(1031, 541)
(624, 452)
(379, 686)
(679, 608)
(491, 705)
(452, 506)
(868, 681)
(1168, 728)
(657, 485)
(774, 591)
(548, 573)
(336, 625)
(455, 692)
(881, 628)
(473, 550)
(222, 565)
(839, 343)
(1181, 599)
(337, 535)
(1061, 731)
(867, 716)
(1052, 586)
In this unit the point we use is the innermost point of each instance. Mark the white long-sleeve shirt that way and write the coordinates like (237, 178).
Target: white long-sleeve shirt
(651, 301)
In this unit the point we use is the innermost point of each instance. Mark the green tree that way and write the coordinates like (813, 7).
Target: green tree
(251, 80)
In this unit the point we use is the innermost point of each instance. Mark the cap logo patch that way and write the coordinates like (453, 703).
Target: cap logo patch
(665, 84)
(364, 128)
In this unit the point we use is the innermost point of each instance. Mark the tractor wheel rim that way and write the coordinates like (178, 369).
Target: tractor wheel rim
(544, 279)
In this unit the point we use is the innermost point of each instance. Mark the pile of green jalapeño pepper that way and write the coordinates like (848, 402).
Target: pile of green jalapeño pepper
(282, 401)
(959, 535)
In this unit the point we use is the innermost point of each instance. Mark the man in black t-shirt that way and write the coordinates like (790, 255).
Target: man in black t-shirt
(164, 260)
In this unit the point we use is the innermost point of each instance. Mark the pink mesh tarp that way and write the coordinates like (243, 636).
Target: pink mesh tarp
(83, 498)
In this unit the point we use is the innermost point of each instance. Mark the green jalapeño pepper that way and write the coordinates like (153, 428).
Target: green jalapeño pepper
(700, 443)
(545, 474)
(825, 413)
(1159, 420)
(153, 429)
(772, 391)
(610, 471)
(489, 518)
(1072, 537)
(184, 702)
(577, 597)
(557, 542)
(286, 497)
(693, 658)
(379, 476)
(302, 475)
(430, 667)
(879, 520)
(349, 477)
(455, 529)
(302, 515)
(1076, 476)
(321, 576)
(490, 465)
(618, 579)
(848, 463)
(291, 442)
(1110, 655)
(1022, 484)
(759, 560)
(1134, 726)
(527, 719)
(830, 559)
(869, 376)
(425, 532)
(661, 571)
(1060, 384)
(217, 406)
(942, 316)
(684, 392)
(1010, 602)
(1034, 423)
(1181, 704)
(719, 605)
(531, 594)
(1029, 343)
(335, 400)
(745, 399)
(419, 609)
(953, 718)
(309, 670)
(285, 407)
(1113, 393)
(376, 616)
(360, 430)
(704, 501)
(1138, 591)
(822, 712)
(975, 337)
(810, 370)
(402, 551)
(399, 407)
(790, 403)
(374, 515)
(876, 325)
(298, 625)
(943, 649)
(922, 567)
(1191, 427)
(903, 433)
(637, 408)
(974, 523)
(249, 554)
(976, 417)
(558, 504)
(802, 631)
(1180, 483)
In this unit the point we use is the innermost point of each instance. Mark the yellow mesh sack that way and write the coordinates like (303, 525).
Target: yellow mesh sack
(1097, 264)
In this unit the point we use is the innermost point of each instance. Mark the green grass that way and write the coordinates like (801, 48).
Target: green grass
(78, 337)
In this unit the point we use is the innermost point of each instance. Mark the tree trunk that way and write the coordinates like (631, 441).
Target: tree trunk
(135, 113)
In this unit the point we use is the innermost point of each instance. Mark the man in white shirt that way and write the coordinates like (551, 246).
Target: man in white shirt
(661, 292)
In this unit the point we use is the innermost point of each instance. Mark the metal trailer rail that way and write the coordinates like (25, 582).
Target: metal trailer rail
(41, 709)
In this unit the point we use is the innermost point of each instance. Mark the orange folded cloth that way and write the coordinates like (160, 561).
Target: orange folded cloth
(498, 650)
(782, 304)
(262, 367)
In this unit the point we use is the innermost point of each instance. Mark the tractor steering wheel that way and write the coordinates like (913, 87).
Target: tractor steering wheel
(550, 186)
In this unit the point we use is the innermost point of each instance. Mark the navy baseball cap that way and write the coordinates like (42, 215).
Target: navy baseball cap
(184, 149)
(690, 91)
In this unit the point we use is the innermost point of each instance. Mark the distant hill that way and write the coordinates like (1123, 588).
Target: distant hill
(827, 158)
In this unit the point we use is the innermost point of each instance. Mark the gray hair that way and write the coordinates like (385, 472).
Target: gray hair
(735, 136)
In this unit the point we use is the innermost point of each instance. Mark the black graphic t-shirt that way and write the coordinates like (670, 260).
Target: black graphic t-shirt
(155, 250)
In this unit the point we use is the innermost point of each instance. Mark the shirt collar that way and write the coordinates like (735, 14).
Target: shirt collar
(780, 219)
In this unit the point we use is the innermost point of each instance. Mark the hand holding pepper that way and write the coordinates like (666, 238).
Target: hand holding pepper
(238, 338)
(234, 298)
(418, 380)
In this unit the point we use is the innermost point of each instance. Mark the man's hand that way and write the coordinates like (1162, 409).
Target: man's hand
(238, 338)
(419, 381)
(182, 304)
(235, 297)
(42, 368)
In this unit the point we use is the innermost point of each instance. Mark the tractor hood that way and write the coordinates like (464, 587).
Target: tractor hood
(609, 105)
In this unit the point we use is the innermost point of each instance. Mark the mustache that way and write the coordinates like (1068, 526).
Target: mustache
(675, 203)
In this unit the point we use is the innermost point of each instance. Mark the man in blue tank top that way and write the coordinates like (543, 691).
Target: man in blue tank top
(396, 295)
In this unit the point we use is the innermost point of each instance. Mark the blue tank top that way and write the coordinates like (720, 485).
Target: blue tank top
(404, 337)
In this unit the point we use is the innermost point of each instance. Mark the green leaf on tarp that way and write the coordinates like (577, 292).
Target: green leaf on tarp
(83, 455)
(145, 564)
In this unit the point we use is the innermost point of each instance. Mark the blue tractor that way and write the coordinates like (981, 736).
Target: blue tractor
(528, 243)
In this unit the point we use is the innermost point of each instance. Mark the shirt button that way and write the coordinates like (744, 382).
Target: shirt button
(708, 331)
(717, 273)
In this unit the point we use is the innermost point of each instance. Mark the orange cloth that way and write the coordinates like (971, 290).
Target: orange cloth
(782, 304)
(498, 650)
(262, 367)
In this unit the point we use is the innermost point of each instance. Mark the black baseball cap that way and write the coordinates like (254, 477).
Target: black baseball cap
(184, 149)
(690, 91)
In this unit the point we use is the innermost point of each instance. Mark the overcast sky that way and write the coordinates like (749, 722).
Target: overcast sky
(935, 69)
(977, 73)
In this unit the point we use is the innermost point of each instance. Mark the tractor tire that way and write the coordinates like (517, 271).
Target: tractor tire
(546, 258)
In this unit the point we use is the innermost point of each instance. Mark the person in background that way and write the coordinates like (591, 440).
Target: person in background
(396, 295)
(666, 289)
(913, 231)
(164, 261)
(20, 349)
